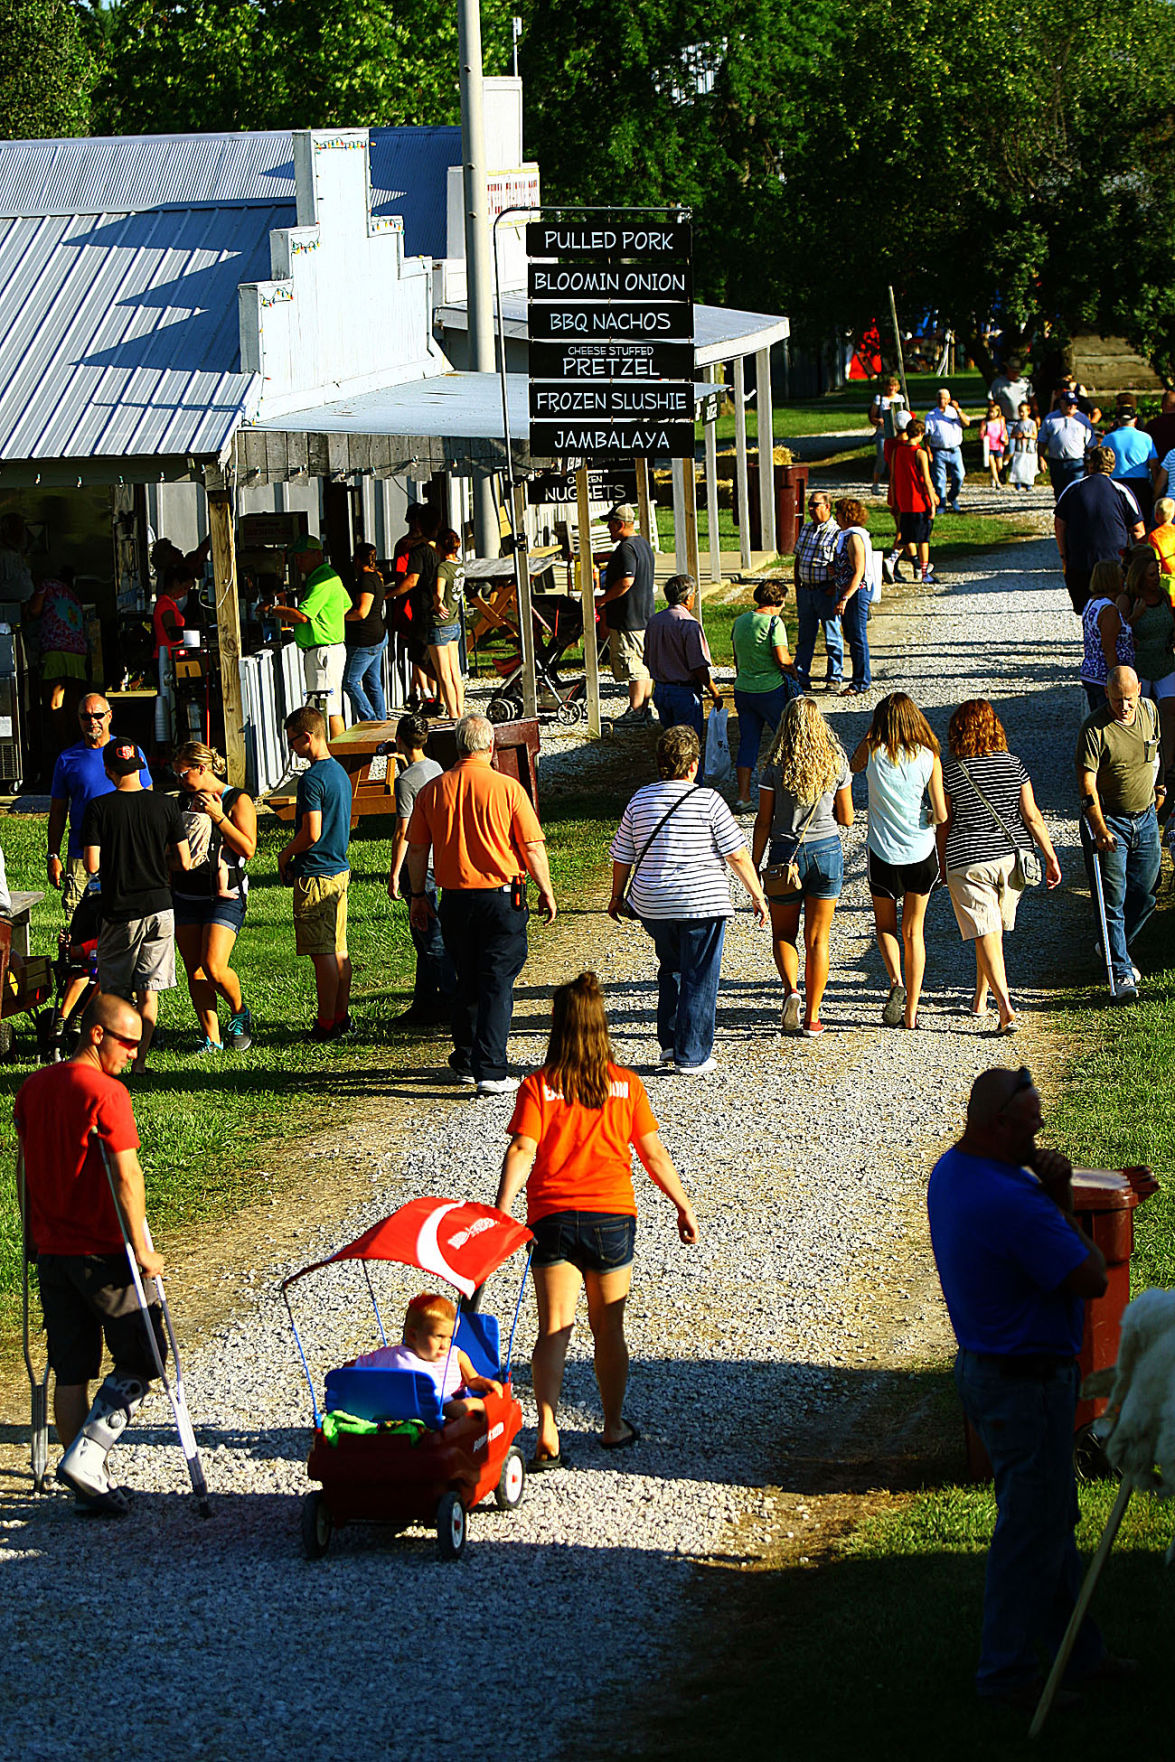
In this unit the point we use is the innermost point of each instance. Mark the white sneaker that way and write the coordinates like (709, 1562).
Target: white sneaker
(497, 1086)
(702, 1070)
(791, 1012)
(665, 1057)
(743, 807)
(1137, 974)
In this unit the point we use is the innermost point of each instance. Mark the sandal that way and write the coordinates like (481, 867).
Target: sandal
(625, 1443)
(546, 1464)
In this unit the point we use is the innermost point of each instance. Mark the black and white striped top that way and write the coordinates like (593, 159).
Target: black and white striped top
(974, 836)
(684, 873)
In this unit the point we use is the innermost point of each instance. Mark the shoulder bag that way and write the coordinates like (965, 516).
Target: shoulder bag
(1026, 870)
(780, 880)
(624, 909)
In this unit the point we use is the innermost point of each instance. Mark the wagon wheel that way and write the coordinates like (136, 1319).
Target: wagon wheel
(451, 1527)
(511, 1482)
(568, 715)
(316, 1526)
(501, 709)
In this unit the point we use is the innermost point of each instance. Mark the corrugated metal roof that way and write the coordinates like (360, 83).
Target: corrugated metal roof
(408, 178)
(132, 173)
(119, 333)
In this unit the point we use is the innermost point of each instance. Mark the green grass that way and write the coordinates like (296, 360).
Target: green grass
(869, 1648)
(1117, 1107)
(204, 1122)
(849, 408)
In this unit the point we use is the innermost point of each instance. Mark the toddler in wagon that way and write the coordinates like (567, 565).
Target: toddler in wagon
(428, 1334)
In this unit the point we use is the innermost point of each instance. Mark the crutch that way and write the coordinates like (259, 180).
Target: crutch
(1084, 1598)
(38, 1386)
(172, 1388)
(1095, 869)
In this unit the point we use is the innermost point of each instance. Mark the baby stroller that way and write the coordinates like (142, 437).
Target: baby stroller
(382, 1449)
(558, 626)
(75, 975)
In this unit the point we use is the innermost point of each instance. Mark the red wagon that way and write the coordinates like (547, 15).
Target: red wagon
(382, 1449)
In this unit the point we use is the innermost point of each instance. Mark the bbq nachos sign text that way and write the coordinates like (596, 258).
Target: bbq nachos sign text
(610, 304)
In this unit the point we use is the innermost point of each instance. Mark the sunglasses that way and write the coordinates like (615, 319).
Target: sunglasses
(93, 715)
(131, 1045)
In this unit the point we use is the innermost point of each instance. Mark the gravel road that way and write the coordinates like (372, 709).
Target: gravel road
(806, 1162)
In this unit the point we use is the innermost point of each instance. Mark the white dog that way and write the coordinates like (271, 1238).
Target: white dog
(1138, 1428)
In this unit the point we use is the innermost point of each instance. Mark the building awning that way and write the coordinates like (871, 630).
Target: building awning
(720, 333)
(451, 422)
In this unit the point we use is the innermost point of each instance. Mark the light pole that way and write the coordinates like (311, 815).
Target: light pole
(479, 273)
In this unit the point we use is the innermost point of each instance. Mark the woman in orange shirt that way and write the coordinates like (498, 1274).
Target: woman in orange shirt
(573, 1123)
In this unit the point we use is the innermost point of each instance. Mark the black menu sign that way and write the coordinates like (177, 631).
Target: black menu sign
(610, 319)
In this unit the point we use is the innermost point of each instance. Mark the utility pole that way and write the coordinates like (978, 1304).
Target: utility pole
(479, 269)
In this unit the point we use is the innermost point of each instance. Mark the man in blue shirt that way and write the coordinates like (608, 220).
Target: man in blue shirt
(1065, 434)
(315, 861)
(1133, 450)
(1015, 1266)
(944, 436)
(79, 777)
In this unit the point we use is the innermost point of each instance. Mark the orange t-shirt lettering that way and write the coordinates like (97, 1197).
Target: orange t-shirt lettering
(477, 822)
(583, 1161)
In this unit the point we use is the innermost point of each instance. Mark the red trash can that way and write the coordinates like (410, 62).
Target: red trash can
(1104, 1202)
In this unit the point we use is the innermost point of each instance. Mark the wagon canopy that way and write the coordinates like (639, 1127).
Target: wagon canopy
(461, 1243)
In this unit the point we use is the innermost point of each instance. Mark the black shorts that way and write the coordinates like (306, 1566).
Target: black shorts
(593, 1241)
(85, 1297)
(915, 528)
(892, 880)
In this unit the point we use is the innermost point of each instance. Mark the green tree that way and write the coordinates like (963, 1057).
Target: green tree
(676, 101)
(46, 70)
(184, 65)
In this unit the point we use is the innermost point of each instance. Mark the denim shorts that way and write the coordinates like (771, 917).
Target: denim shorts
(441, 634)
(821, 865)
(593, 1241)
(228, 912)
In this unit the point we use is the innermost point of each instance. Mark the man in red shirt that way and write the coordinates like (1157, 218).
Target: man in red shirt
(86, 1288)
(913, 499)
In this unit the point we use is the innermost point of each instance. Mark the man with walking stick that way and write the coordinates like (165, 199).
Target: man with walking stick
(1015, 1267)
(1120, 787)
(67, 1116)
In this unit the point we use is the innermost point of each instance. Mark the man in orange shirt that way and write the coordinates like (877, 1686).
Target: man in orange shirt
(485, 838)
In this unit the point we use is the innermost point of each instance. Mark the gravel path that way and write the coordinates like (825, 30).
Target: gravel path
(806, 1162)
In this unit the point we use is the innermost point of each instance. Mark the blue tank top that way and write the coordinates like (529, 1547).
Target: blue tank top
(899, 830)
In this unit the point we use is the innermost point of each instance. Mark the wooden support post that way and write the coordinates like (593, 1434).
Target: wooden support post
(644, 503)
(712, 489)
(228, 626)
(525, 619)
(689, 505)
(587, 590)
(766, 435)
(740, 464)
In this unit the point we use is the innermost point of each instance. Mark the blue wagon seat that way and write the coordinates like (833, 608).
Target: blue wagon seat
(377, 1391)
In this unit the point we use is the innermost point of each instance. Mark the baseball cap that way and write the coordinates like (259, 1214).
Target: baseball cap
(1070, 398)
(121, 758)
(624, 512)
(303, 545)
(1125, 404)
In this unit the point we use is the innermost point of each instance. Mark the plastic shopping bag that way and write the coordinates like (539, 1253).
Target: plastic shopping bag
(718, 769)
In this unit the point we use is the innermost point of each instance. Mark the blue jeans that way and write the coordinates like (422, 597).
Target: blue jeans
(814, 612)
(1130, 877)
(485, 938)
(689, 958)
(758, 710)
(1063, 472)
(821, 863)
(947, 462)
(1033, 1572)
(435, 980)
(363, 683)
(855, 624)
(678, 704)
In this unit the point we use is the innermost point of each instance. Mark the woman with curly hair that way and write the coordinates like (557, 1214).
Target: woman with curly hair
(570, 1136)
(899, 756)
(991, 814)
(850, 572)
(806, 793)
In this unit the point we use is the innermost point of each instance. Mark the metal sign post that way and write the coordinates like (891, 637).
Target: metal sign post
(587, 593)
